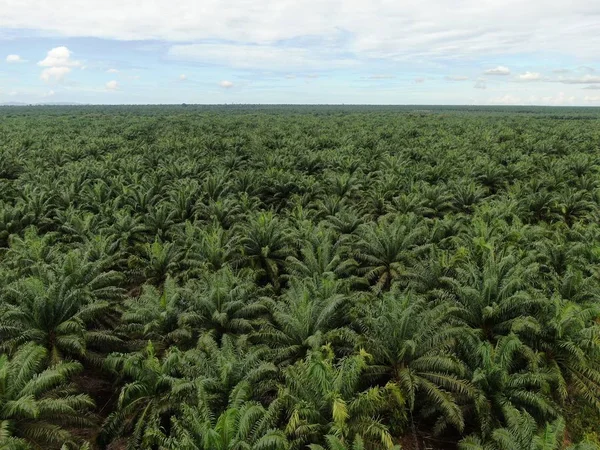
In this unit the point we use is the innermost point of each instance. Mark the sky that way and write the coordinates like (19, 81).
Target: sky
(484, 52)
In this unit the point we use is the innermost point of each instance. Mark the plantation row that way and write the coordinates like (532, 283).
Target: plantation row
(270, 279)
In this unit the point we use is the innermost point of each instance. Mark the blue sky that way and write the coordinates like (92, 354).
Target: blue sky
(301, 51)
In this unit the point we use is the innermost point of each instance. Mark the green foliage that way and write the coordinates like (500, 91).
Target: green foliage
(288, 278)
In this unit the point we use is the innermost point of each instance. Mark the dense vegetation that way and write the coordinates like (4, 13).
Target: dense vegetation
(280, 278)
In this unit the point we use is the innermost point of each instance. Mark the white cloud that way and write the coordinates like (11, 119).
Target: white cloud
(558, 100)
(59, 57)
(56, 74)
(456, 78)
(112, 71)
(507, 99)
(226, 84)
(592, 99)
(530, 76)
(58, 64)
(50, 93)
(370, 29)
(593, 87)
(12, 59)
(500, 70)
(244, 56)
(419, 80)
(183, 77)
(290, 76)
(480, 84)
(112, 85)
(381, 76)
(586, 79)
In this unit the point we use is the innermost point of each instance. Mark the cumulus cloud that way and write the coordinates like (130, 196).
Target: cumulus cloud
(530, 76)
(112, 71)
(182, 77)
(226, 84)
(56, 74)
(58, 64)
(500, 70)
(112, 85)
(59, 57)
(12, 59)
(50, 93)
(592, 98)
(480, 84)
(456, 78)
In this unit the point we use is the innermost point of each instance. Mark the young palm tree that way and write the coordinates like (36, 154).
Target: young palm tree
(37, 403)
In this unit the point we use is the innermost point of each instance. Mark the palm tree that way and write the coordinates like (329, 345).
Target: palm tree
(155, 316)
(156, 262)
(62, 312)
(321, 256)
(494, 293)
(244, 425)
(569, 339)
(325, 398)
(412, 346)
(218, 367)
(153, 392)
(306, 317)
(523, 434)
(509, 380)
(336, 443)
(386, 251)
(37, 402)
(222, 303)
(265, 246)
